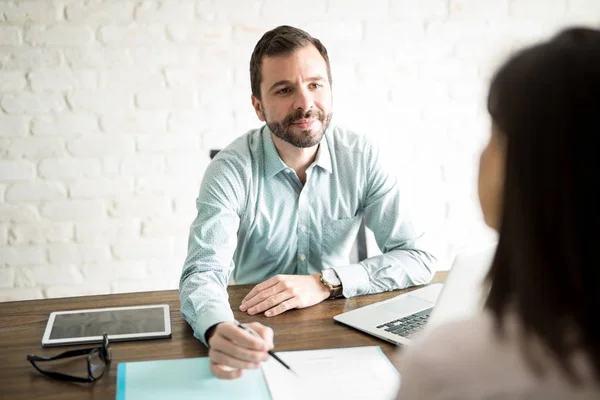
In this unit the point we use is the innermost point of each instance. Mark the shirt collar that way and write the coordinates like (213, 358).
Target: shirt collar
(274, 164)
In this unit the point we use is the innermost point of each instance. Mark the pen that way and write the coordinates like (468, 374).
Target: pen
(271, 353)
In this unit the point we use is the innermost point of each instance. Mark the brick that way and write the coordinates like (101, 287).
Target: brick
(425, 9)
(228, 10)
(173, 226)
(27, 12)
(187, 165)
(96, 56)
(101, 101)
(185, 208)
(20, 294)
(201, 34)
(146, 285)
(101, 188)
(46, 275)
(109, 231)
(32, 103)
(31, 148)
(167, 184)
(140, 206)
(143, 249)
(65, 125)
(35, 191)
(538, 9)
(12, 81)
(74, 210)
(7, 277)
(130, 78)
(18, 213)
(16, 170)
(84, 289)
(114, 271)
(40, 232)
(24, 58)
(160, 11)
(139, 122)
(99, 11)
(21, 255)
(208, 118)
(367, 9)
(111, 166)
(133, 34)
(167, 143)
(59, 35)
(275, 9)
(69, 168)
(584, 10)
(167, 99)
(14, 125)
(78, 253)
(100, 145)
(393, 31)
(201, 76)
(10, 36)
(62, 79)
(146, 164)
(167, 55)
(478, 9)
(3, 234)
(344, 30)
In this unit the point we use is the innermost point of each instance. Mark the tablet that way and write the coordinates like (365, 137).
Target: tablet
(120, 323)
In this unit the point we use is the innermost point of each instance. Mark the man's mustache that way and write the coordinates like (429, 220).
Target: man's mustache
(300, 114)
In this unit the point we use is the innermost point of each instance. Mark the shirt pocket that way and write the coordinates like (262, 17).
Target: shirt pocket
(339, 236)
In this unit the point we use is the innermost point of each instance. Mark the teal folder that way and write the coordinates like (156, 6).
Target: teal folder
(187, 378)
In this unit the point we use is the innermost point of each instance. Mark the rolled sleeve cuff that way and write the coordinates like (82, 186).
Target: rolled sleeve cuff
(355, 279)
(208, 319)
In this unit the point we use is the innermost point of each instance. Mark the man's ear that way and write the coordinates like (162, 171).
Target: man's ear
(257, 105)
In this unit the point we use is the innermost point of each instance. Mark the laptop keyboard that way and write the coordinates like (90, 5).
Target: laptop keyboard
(409, 325)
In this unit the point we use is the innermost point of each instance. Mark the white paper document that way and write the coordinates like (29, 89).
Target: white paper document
(348, 373)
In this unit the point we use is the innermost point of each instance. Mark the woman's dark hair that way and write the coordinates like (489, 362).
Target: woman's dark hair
(546, 101)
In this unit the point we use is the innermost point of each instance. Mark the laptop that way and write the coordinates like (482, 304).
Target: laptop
(400, 319)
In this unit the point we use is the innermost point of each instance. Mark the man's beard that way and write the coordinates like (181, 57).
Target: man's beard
(306, 138)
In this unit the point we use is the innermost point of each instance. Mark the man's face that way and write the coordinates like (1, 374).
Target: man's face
(295, 99)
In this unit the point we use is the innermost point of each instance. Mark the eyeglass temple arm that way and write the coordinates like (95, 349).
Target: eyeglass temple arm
(59, 376)
(66, 354)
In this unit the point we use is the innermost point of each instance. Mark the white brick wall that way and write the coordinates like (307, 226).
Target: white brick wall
(108, 110)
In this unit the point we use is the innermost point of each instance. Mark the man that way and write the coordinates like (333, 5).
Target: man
(281, 207)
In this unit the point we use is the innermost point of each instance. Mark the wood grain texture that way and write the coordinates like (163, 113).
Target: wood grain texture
(22, 325)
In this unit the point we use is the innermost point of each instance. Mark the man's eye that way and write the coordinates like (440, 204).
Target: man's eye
(283, 91)
(315, 86)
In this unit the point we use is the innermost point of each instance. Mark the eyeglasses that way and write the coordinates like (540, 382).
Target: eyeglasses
(98, 359)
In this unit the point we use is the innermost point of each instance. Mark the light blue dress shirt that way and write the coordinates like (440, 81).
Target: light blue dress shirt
(256, 220)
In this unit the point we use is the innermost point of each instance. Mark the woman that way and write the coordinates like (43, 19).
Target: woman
(539, 187)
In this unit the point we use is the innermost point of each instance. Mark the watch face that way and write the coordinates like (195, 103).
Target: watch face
(331, 277)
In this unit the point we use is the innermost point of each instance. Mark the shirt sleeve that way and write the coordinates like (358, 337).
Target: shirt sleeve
(407, 258)
(211, 245)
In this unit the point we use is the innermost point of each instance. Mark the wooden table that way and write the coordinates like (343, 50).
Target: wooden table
(22, 325)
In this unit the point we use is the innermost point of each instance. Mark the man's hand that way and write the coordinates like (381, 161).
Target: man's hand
(232, 349)
(285, 292)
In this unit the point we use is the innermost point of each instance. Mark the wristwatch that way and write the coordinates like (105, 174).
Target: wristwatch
(330, 279)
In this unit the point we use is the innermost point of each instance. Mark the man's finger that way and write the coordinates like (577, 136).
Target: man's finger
(232, 349)
(262, 296)
(239, 336)
(265, 332)
(224, 372)
(233, 362)
(281, 308)
(271, 302)
(262, 286)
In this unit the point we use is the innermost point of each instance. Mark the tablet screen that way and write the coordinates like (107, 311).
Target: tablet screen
(113, 322)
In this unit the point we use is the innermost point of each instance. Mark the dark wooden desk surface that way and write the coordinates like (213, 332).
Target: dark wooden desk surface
(22, 325)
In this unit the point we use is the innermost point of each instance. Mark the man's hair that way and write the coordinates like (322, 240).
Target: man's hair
(546, 101)
(283, 40)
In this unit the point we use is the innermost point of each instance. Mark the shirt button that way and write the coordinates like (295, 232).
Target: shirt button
(302, 257)
(302, 228)
(290, 171)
